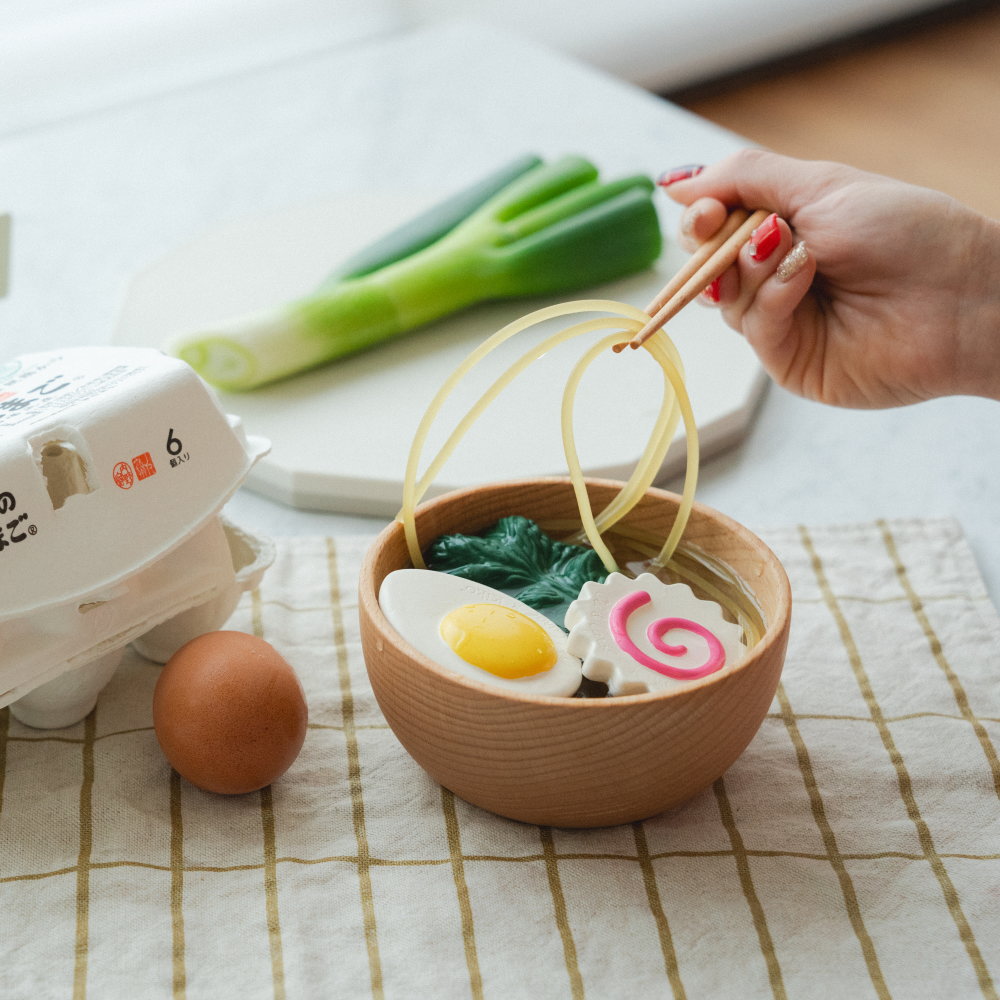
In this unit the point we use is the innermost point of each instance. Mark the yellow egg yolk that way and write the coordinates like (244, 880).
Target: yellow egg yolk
(500, 640)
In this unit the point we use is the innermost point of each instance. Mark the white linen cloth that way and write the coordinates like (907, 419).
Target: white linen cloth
(852, 851)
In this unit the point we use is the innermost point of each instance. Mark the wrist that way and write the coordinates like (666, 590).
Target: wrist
(978, 323)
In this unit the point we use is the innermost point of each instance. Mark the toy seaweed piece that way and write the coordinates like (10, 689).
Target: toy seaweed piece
(531, 228)
(516, 556)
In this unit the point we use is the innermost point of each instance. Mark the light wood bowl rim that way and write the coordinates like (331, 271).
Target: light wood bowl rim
(775, 626)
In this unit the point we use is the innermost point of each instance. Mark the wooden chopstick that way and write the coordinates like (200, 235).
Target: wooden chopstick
(706, 264)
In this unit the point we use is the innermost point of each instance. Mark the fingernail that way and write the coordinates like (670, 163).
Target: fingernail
(793, 262)
(676, 174)
(711, 292)
(690, 217)
(765, 238)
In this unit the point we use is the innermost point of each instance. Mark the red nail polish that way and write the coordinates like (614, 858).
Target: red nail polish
(684, 173)
(765, 238)
(711, 292)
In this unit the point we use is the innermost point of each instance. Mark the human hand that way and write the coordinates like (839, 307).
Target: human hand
(863, 291)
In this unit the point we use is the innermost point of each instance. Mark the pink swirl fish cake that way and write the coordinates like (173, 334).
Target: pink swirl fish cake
(639, 635)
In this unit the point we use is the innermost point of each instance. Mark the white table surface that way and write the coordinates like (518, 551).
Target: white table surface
(96, 197)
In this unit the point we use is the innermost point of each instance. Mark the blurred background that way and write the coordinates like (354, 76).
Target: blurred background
(129, 128)
(906, 87)
(916, 98)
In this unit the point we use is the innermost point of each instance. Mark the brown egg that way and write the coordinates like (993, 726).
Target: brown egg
(229, 712)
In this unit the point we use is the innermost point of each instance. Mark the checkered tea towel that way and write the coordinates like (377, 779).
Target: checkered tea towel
(853, 850)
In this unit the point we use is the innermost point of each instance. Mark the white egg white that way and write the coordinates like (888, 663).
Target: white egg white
(415, 600)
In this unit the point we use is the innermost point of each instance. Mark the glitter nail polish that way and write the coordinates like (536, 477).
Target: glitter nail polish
(793, 262)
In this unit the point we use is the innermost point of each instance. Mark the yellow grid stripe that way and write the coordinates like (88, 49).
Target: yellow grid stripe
(377, 862)
(560, 913)
(961, 698)
(906, 717)
(270, 870)
(948, 889)
(354, 775)
(381, 726)
(670, 963)
(946, 598)
(890, 599)
(832, 850)
(4, 734)
(177, 871)
(457, 859)
(739, 852)
(82, 945)
(269, 848)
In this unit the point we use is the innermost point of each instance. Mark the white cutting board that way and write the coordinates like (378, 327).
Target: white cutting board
(340, 435)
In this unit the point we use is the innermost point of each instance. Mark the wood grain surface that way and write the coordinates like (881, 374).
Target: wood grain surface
(917, 100)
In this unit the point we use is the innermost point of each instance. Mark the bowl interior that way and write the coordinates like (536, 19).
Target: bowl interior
(572, 761)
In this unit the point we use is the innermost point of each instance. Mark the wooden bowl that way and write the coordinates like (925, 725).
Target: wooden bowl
(573, 762)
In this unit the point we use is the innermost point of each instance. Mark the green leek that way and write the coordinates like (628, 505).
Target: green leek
(530, 229)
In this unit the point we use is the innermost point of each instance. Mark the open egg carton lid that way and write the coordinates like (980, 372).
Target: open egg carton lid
(110, 458)
(340, 434)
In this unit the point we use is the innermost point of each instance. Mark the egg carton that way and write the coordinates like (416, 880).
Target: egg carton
(115, 464)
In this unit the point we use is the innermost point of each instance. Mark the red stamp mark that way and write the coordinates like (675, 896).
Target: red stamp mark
(123, 476)
(143, 465)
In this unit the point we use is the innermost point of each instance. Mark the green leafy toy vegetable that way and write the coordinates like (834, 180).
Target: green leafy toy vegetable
(532, 228)
(516, 556)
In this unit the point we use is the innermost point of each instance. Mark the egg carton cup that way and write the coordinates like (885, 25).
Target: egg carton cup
(115, 466)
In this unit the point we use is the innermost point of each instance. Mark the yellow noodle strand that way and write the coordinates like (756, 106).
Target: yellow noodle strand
(651, 461)
(691, 471)
(674, 407)
(410, 491)
(573, 459)
(414, 493)
(528, 358)
(410, 488)
(591, 528)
